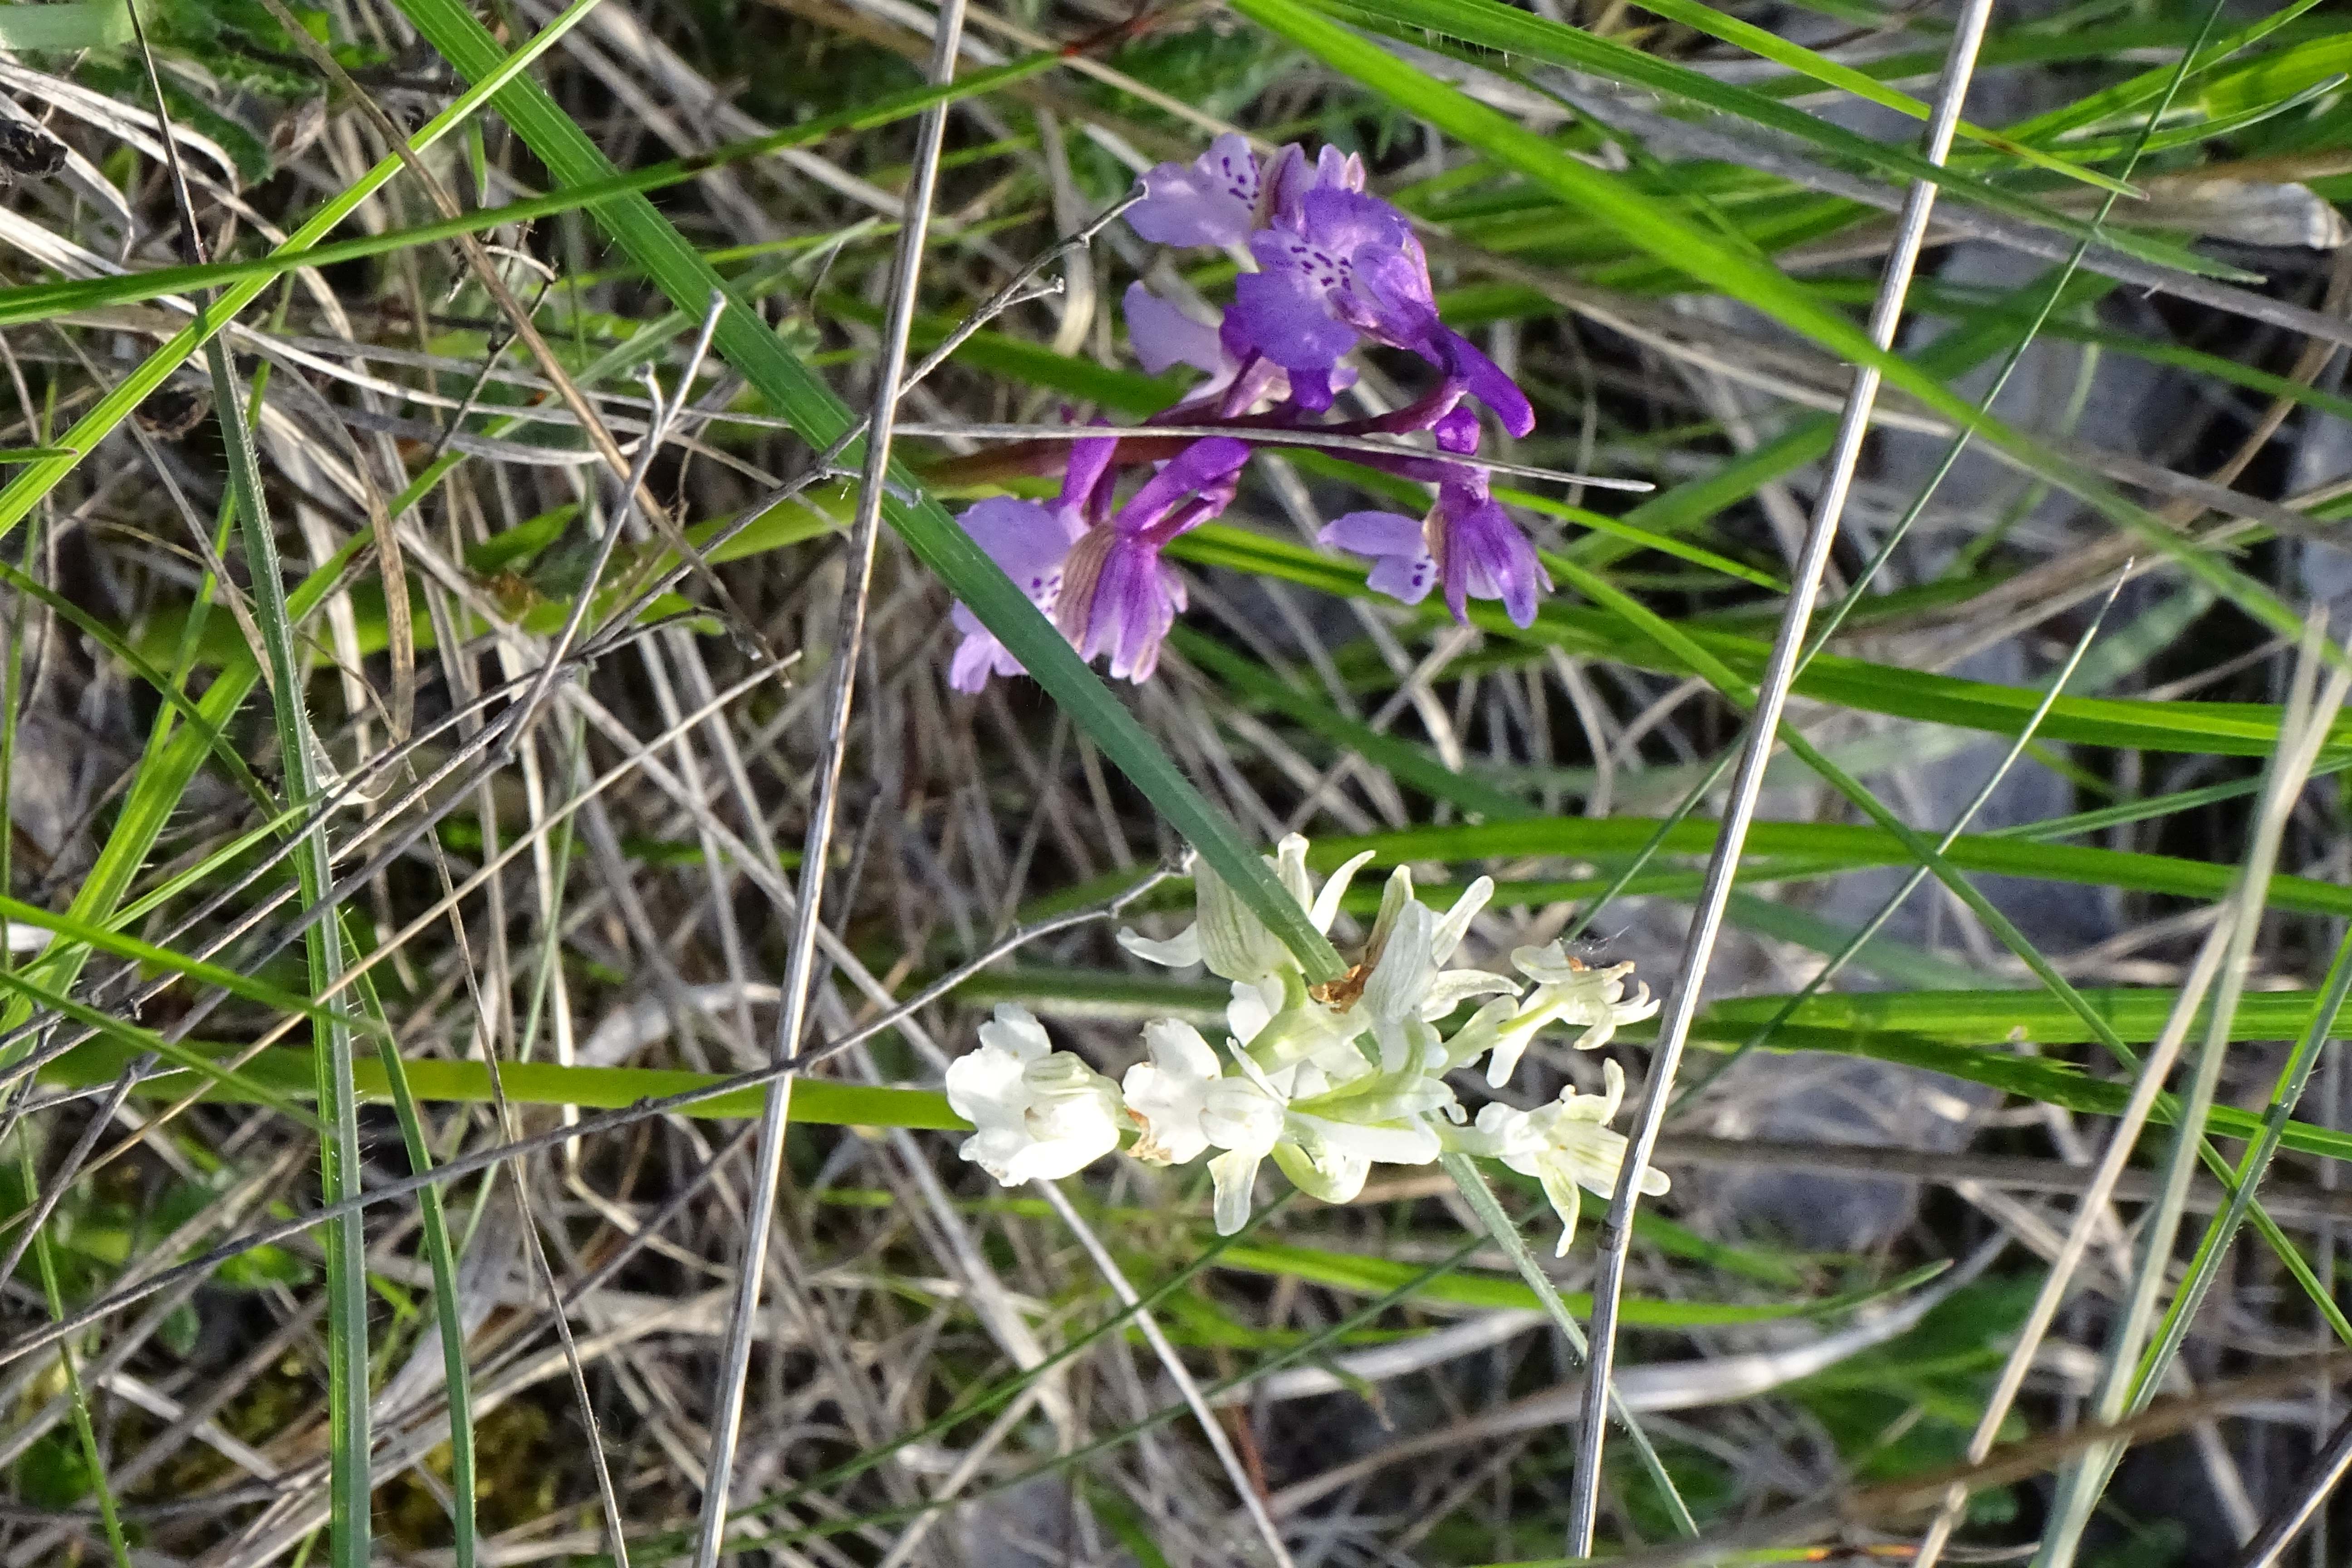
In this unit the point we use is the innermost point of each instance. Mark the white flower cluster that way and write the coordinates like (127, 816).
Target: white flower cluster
(1329, 1080)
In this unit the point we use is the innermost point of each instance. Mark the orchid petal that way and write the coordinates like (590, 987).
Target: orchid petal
(1326, 902)
(1282, 315)
(1181, 951)
(1210, 201)
(1163, 335)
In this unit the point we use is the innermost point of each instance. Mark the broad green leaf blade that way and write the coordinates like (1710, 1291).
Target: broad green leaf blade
(79, 25)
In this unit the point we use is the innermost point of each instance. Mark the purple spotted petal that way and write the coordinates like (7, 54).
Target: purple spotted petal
(1486, 556)
(1210, 201)
(1027, 541)
(1341, 221)
(1402, 567)
(1283, 315)
(1030, 543)
(1289, 179)
(1163, 335)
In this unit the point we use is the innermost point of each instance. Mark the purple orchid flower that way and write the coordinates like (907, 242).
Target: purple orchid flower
(1467, 543)
(1117, 596)
(1220, 197)
(1164, 334)
(1031, 544)
(1351, 266)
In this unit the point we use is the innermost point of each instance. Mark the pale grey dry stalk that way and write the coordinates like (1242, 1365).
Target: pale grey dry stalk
(2299, 741)
(1616, 1236)
(1269, 1534)
(800, 960)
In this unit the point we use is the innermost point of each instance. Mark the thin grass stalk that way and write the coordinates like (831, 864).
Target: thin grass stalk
(1269, 1534)
(2306, 1505)
(340, 1155)
(999, 1393)
(2204, 1268)
(2152, 1070)
(2302, 727)
(35, 480)
(441, 1258)
(850, 638)
(1471, 1183)
(76, 1396)
(1616, 1239)
(1886, 911)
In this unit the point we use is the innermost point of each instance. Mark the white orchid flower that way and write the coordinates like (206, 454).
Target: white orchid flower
(1230, 938)
(1567, 992)
(1244, 1117)
(1566, 1146)
(1167, 1096)
(1186, 1104)
(1402, 986)
(1036, 1112)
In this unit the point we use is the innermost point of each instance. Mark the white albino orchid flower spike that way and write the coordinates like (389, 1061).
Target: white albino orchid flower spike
(1327, 1079)
(1566, 1146)
(1036, 1112)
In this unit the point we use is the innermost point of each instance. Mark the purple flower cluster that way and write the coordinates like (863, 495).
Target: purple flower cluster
(1336, 269)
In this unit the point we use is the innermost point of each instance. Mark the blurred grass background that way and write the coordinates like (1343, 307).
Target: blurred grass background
(232, 781)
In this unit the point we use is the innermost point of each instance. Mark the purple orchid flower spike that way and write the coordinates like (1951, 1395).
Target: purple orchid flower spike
(1337, 269)
(1467, 543)
(1031, 544)
(1117, 596)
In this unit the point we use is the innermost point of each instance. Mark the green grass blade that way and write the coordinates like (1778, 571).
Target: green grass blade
(340, 1158)
(441, 1257)
(43, 301)
(1654, 228)
(27, 489)
(1472, 1183)
(1410, 764)
(746, 342)
(78, 25)
(1770, 46)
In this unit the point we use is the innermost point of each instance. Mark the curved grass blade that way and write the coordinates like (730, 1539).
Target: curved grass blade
(747, 343)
